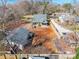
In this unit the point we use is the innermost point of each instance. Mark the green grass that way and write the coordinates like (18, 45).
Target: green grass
(23, 17)
(77, 54)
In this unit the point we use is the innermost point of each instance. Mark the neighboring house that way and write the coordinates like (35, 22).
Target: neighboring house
(20, 37)
(63, 16)
(39, 19)
(59, 14)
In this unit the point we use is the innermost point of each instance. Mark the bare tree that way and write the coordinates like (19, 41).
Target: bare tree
(45, 4)
(4, 4)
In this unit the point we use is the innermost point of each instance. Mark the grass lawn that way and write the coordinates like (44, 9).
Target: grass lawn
(77, 54)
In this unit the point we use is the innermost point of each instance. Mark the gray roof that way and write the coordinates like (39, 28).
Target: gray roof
(39, 18)
(20, 36)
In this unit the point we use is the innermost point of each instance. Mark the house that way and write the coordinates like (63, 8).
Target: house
(65, 17)
(62, 16)
(39, 19)
(20, 37)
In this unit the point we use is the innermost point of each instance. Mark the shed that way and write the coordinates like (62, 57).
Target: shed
(20, 36)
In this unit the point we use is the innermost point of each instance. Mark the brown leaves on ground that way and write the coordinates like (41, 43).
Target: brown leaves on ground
(37, 50)
(73, 36)
(66, 47)
(13, 24)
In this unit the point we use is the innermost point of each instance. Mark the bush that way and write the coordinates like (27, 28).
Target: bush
(77, 54)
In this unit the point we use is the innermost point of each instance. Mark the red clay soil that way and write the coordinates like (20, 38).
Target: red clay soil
(46, 37)
(42, 34)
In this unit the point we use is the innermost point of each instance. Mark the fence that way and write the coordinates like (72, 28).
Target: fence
(51, 56)
(12, 56)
